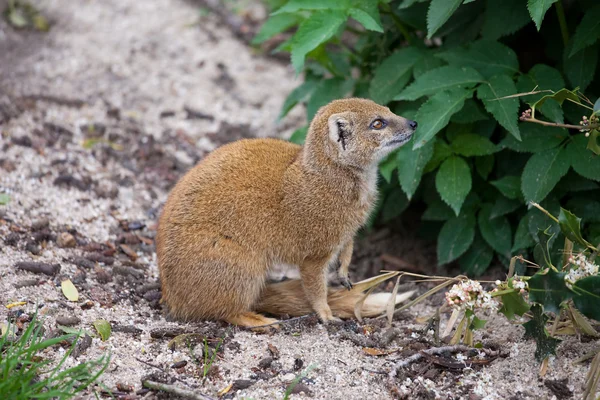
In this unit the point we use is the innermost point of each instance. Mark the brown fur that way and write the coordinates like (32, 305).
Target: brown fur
(253, 203)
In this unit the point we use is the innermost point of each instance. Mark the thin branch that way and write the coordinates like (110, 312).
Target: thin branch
(542, 209)
(562, 21)
(190, 394)
(558, 125)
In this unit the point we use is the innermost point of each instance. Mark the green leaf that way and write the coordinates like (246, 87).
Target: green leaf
(594, 142)
(523, 239)
(441, 151)
(369, 18)
(438, 13)
(103, 329)
(471, 112)
(470, 144)
(455, 238)
(299, 135)
(504, 206)
(274, 25)
(327, 91)
(387, 167)
(495, 231)
(484, 165)
(587, 296)
(542, 172)
(503, 18)
(549, 289)
(573, 182)
(545, 239)
(394, 204)
(504, 110)
(509, 186)
(588, 31)
(587, 207)
(435, 114)
(298, 95)
(559, 97)
(477, 323)
(410, 166)
(393, 74)
(570, 225)
(585, 163)
(542, 78)
(4, 199)
(536, 329)
(426, 63)
(440, 79)
(317, 29)
(437, 211)
(535, 138)
(408, 3)
(453, 182)
(580, 68)
(513, 304)
(488, 57)
(293, 6)
(477, 259)
(537, 10)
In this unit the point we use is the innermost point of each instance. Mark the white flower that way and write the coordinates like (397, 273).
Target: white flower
(580, 268)
(469, 294)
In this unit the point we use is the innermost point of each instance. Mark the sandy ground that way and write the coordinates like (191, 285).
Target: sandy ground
(98, 119)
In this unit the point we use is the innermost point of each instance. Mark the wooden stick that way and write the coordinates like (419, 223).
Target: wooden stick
(190, 394)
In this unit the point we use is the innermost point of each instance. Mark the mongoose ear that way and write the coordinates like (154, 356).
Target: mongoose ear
(340, 128)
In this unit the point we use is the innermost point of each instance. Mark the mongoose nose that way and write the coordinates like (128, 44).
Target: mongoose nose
(413, 124)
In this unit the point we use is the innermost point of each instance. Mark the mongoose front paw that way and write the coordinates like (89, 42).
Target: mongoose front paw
(346, 282)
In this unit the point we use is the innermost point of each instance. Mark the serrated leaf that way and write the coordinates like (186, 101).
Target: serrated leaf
(455, 238)
(437, 211)
(441, 151)
(435, 114)
(513, 304)
(509, 186)
(495, 231)
(103, 328)
(317, 29)
(438, 13)
(387, 167)
(587, 296)
(580, 68)
(298, 95)
(504, 110)
(293, 6)
(453, 182)
(584, 162)
(274, 25)
(537, 10)
(523, 239)
(504, 206)
(544, 242)
(594, 141)
(549, 289)
(503, 18)
(535, 138)
(409, 3)
(393, 74)
(326, 91)
(370, 19)
(488, 57)
(536, 329)
(426, 63)
(69, 290)
(542, 77)
(299, 135)
(484, 165)
(559, 97)
(542, 172)
(587, 207)
(477, 259)
(570, 225)
(471, 112)
(470, 144)
(477, 323)
(440, 79)
(588, 30)
(394, 204)
(410, 166)
(573, 182)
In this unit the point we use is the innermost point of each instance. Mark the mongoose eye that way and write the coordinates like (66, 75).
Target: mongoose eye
(378, 124)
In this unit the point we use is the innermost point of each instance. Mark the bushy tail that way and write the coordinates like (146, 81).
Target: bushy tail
(288, 297)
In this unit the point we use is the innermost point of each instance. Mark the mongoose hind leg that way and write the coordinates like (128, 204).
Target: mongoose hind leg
(251, 319)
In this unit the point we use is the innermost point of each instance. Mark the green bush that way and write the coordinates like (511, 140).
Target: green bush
(465, 70)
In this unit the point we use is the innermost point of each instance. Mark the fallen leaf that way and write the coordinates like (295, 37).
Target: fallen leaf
(225, 390)
(16, 304)
(69, 290)
(129, 251)
(378, 352)
(4, 199)
(103, 328)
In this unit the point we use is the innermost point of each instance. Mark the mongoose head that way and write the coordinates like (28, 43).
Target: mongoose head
(358, 133)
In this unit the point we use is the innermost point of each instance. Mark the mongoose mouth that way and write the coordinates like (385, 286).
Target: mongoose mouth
(400, 139)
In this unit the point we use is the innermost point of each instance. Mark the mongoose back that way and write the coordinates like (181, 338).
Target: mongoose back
(256, 202)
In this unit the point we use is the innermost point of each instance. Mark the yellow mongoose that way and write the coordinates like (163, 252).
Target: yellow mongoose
(253, 203)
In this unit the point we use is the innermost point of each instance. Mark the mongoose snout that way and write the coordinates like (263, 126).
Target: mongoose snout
(254, 203)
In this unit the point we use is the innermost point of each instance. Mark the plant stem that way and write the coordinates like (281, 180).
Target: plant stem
(190, 394)
(558, 125)
(501, 292)
(542, 209)
(564, 29)
(397, 22)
